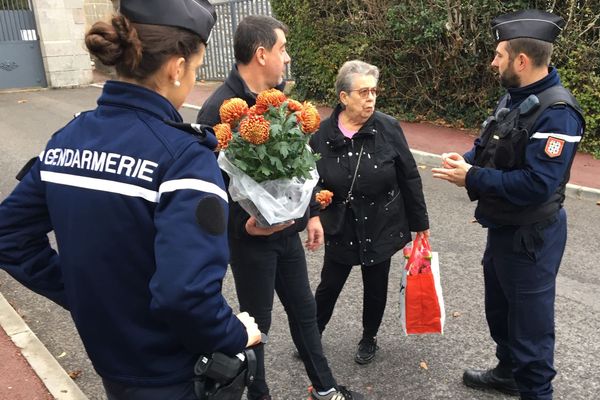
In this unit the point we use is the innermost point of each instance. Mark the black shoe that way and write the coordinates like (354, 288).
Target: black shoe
(367, 347)
(341, 393)
(490, 379)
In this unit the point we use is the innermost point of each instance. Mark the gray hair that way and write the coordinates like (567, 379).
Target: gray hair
(349, 70)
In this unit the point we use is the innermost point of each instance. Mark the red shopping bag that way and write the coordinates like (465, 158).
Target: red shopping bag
(421, 301)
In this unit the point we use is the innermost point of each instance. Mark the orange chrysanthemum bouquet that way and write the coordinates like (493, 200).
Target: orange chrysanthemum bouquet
(264, 150)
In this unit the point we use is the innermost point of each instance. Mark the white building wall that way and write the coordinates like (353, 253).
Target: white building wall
(61, 27)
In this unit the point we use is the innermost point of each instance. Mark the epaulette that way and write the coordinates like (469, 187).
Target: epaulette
(77, 114)
(23, 171)
(198, 130)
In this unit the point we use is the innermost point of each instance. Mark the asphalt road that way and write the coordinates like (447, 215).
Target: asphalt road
(27, 119)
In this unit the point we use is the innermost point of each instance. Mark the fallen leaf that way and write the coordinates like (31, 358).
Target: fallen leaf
(75, 374)
(456, 314)
(423, 365)
(21, 101)
(598, 203)
(61, 355)
(423, 166)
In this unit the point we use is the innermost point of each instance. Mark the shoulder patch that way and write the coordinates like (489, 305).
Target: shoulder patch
(554, 147)
(210, 215)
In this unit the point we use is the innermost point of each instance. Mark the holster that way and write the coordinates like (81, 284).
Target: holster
(221, 377)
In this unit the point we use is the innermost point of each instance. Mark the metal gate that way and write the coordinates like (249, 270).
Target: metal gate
(219, 54)
(21, 62)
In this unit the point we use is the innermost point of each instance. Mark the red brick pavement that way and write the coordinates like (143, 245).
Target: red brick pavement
(18, 381)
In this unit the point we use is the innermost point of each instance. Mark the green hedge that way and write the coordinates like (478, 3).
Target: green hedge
(434, 55)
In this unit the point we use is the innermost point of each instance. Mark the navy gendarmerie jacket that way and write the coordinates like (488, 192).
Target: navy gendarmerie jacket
(540, 182)
(139, 266)
(234, 86)
(387, 199)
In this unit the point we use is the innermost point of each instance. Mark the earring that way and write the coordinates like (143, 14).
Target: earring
(177, 83)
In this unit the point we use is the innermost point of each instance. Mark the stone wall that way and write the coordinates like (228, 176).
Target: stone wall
(61, 27)
(97, 10)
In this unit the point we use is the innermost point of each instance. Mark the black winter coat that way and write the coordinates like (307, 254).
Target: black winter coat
(387, 201)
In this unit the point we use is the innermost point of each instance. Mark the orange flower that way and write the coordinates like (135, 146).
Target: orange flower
(271, 97)
(223, 134)
(255, 129)
(256, 110)
(324, 198)
(308, 118)
(233, 110)
(294, 105)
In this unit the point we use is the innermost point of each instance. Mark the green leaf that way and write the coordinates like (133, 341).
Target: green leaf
(284, 148)
(261, 150)
(264, 170)
(240, 164)
(275, 130)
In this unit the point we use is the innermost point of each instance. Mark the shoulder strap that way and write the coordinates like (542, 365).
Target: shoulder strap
(503, 102)
(548, 98)
(355, 172)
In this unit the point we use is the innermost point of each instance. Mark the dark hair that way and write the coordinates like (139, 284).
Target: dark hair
(253, 32)
(537, 50)
(139, 50)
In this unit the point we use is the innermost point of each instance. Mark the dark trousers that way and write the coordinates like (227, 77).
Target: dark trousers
(375, 285)
(261, 268)
(520, 290)
(118, 391)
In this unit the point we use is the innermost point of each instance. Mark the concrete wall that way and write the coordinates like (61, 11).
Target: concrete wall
(96, 10)
(61, 27)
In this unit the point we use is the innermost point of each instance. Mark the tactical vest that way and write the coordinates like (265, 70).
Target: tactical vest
(503, 141)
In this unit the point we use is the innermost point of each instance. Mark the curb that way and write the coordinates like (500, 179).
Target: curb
(573, 191)
(52, 375)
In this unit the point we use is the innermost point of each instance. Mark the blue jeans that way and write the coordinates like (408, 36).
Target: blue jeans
(261, 268)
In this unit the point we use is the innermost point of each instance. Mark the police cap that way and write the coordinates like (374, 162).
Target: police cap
(198, 16)
(533, 24)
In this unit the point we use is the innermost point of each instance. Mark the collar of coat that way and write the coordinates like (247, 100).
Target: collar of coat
(239, 86)
(337, 139)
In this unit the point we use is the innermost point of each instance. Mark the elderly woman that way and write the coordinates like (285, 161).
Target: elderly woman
(377, 198)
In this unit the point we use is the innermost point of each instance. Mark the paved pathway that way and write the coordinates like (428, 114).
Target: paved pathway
(29, 372)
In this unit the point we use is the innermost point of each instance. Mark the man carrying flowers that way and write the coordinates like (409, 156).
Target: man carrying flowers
(270, 259)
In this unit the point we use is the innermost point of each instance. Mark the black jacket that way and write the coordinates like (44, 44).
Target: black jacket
(387, 200)
(234, 86)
